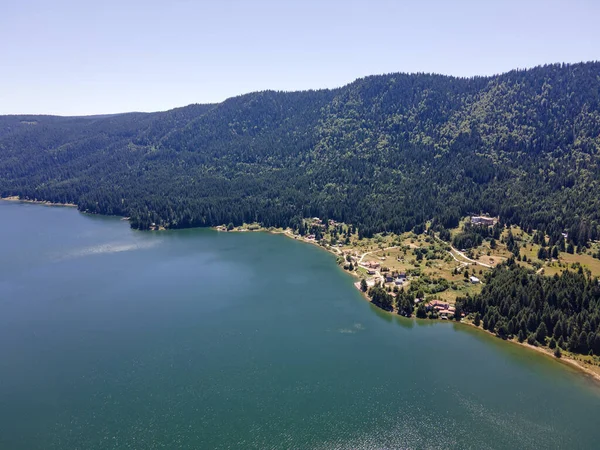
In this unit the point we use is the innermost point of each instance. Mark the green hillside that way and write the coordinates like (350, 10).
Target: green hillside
(385, 152)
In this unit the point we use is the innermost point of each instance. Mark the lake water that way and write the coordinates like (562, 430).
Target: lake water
(113, 338)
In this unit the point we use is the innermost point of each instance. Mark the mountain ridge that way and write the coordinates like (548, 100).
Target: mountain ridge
(385, 152)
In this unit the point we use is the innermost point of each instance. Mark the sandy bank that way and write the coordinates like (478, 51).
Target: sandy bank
(589, 370)
(16, 198)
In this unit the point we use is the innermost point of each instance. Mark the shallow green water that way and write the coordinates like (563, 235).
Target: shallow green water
(111, 338)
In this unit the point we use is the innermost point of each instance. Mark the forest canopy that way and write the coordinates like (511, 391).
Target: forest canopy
(561, 311)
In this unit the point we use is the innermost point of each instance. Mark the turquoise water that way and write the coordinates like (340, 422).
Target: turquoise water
(112, 338)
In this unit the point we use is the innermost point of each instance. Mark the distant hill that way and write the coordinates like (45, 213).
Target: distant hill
(385, 152)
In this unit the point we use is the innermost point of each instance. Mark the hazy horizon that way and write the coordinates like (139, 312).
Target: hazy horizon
(75, 59)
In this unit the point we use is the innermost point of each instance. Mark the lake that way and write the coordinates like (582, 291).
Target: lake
(111, 338)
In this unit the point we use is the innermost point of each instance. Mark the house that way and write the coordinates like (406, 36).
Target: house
(473, 279)
(371, 271)
(483, 220)
(402, 275)
(399, 281)
(437, 305)
(389, 278)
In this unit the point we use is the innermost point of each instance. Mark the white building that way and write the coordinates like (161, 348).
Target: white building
(483, 220)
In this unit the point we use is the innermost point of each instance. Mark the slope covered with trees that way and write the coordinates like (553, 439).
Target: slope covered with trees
(562, 311)
(383, 153)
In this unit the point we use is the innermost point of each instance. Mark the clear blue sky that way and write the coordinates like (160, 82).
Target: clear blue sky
(90, 57)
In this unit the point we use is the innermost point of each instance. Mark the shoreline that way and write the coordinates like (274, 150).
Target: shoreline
(564, 359)
(572, 363)
(16, 198)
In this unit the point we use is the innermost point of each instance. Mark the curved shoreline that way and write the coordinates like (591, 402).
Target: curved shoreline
(569, 361)
(572, 363)
(595, 376)
(581, 367)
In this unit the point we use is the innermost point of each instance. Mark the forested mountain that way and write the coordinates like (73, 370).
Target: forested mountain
(384, 153)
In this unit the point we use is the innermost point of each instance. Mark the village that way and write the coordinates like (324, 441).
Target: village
(430, 270)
